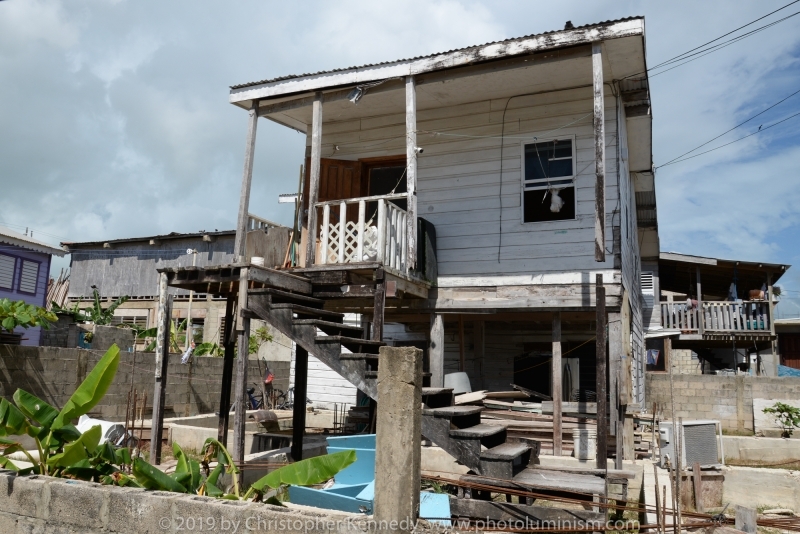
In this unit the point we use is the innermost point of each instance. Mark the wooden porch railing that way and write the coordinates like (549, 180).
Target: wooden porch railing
(345, 237)
(717, 316)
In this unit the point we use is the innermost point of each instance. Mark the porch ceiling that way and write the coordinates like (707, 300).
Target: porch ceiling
(533, 73)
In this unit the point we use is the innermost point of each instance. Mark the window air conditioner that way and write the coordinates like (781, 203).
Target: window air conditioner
(699, 443)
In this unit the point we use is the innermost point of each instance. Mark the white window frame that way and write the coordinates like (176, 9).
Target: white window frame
(543, 186)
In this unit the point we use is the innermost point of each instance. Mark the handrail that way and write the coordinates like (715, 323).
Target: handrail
(717, 316)
(394, 196)
(257, 223)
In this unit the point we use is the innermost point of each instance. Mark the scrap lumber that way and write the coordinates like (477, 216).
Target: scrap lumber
(476, 397)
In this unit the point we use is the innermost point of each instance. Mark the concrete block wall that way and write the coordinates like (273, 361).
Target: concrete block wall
(726, 398)
(58, 333)
(53, 374)
(46, 505)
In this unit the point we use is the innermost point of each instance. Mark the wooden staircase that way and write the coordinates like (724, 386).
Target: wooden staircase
(456, 429)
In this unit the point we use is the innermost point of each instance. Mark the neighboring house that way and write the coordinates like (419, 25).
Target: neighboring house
(709, 314)
(128, 267)
(24, 273)
(788, 331)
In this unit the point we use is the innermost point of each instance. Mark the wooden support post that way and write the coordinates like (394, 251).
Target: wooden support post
(313, 187)
(479, 340)
(379, 305)
(615, 355)
(461, 362)
(602, 408)
(436, 350)
(240, 245)
(700, 313)
(227, 372)
(161, 365)
(557, 394)
(411, 172)
(242, 357)
(771, 311)
(599, 154)
(658, 499)
(299, 408)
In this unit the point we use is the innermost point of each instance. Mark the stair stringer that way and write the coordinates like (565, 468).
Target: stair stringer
(435, 429)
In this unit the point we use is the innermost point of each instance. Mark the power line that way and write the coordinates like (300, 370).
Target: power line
(735, 140)
(732, 129)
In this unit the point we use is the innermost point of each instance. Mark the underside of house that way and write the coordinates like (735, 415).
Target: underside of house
(473, 204)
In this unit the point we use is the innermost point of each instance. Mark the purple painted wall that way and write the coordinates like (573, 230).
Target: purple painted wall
(31, 335)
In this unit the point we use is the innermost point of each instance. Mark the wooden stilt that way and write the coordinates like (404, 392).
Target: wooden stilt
(299, 409)
(436, 351)
(479, 340)
(599, 154)
(161, 364)
(239, 247)
(379, 306)
(411, 171)
(602, 406)
(227, 373)
(557, 394)
(313, 187)
(461, 362)
(240, 392)
(615, 366)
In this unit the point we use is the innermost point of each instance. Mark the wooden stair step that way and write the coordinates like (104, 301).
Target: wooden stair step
(305, 311)
(435, 391)
(477, 432)
(279, 296)
(506, 451)
(353, 343)
(358, 356)
(325, 326)
(452, 411)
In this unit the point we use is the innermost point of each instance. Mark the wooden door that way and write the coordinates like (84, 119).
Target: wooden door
(338, 179)
(790, 350)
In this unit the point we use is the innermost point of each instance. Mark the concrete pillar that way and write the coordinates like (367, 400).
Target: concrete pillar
(397, 454)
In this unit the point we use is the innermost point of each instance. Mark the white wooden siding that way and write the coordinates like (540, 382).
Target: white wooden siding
(459, 187)
(631, 260)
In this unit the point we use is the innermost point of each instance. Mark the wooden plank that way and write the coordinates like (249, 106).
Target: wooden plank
(600, 351)
(161, 367)
(379, 305)
(556, 384)
(240, 244)
(697, 479)
(242, 357)
(436, 350)
(479, 343)
(313, 190)
(411, 171)
(279, 279)
(600, 153)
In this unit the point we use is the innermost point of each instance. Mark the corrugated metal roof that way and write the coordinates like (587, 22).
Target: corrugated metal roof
(21, 240)
(368, 65)
(163, 237)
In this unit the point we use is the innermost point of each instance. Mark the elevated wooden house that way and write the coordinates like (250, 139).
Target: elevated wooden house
(474, 203)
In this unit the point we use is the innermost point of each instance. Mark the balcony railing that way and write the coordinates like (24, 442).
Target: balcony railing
(349, 236)
(717, 316)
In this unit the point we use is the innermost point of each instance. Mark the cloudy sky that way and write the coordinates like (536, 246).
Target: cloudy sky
(114, 119)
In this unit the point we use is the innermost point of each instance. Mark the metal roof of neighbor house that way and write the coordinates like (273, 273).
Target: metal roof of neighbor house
(456, 50)
(23, 241)
(701, 260)
(164, 237)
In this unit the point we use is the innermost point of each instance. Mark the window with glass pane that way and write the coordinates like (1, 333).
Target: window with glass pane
(549, 172)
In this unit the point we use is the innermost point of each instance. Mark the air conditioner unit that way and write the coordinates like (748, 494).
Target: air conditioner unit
(698, 440)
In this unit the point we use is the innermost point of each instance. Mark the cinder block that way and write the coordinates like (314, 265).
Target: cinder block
(145, 509)
(21, 494)
(79, 503)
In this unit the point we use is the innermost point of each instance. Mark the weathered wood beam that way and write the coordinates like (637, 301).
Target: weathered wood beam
(227, 372)
(161, 366)
(479, 341)
(599, 154)
(411, 171)
(600, 351)
(700, 313)
(533, 516)
(379, 305)
(556, 392)
(436, 350)
(299, 408)
(239, 248)
(240, 392)
(313, 188)
(615, 367)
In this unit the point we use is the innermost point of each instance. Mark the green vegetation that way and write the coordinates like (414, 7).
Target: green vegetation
(95, 313)
(20, 313)
(787, 416)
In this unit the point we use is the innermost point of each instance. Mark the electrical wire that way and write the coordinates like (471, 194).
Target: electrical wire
(732, 129)
(734, 141)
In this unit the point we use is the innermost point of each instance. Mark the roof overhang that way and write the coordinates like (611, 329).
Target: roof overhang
(16, 239)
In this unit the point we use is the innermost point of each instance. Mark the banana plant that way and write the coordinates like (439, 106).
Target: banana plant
(95, 313)
(59, 444)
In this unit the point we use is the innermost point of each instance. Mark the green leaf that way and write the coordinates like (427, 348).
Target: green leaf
(78, 450)
(187, 466)
(152, 478)
(12, 420)
(91, 390)
(9, 323)
(122, 456)
(307, 472)
(274, 501)
(35, 408)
